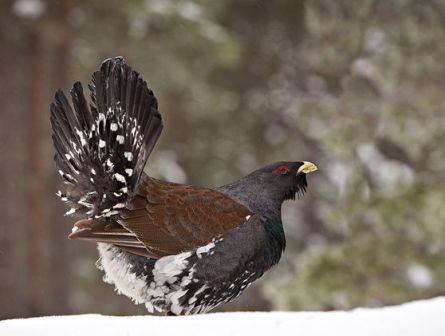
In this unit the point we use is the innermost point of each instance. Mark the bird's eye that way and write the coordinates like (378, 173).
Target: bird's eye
(282, 169)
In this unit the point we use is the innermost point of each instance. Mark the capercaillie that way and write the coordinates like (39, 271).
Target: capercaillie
(179, 249)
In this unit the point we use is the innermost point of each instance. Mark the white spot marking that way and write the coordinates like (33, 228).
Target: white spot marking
(70, 212)
(83, 202)
(149, 307)
(82, 138)
(120, 178)
(204, 249)
(113, 127)
(120, 139)
(119, 206)
(129, 171)
(101, 143)
(111, 213)
(168, 268)
(110, 164)
(174, 298)
(129, 156)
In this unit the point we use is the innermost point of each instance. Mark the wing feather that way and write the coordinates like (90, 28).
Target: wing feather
(177, 218)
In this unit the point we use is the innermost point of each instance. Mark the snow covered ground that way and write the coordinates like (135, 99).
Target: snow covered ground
(416, 318)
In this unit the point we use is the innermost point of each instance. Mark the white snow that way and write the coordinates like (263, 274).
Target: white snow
(415, 318)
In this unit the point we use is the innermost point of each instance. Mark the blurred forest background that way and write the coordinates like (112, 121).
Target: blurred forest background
(356, 87)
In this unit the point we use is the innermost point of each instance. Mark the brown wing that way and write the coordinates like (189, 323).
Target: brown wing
(105, 231)
(166, 218)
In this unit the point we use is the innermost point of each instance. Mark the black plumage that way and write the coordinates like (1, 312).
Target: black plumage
(176, 248)
(101, 150)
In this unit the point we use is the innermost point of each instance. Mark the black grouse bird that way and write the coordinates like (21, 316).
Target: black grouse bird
(176, 248)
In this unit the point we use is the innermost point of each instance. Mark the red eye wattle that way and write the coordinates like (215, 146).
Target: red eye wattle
(281, 169)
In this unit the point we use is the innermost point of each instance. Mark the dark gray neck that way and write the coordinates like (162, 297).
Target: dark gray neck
(253, 195)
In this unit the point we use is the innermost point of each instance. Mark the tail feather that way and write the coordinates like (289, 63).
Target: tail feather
(101, 149)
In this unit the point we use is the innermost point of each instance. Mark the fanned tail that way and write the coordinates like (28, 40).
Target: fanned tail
(101, 149)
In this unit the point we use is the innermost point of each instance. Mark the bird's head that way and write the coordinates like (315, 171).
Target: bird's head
(264, 190)
(285, 179)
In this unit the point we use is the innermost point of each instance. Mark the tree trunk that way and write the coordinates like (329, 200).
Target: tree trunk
(60, 281)
(35, 176)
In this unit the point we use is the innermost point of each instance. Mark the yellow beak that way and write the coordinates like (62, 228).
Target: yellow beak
(307, 167)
